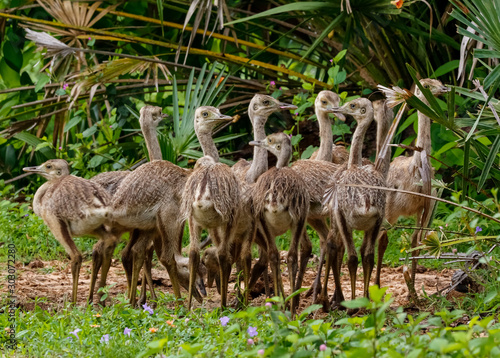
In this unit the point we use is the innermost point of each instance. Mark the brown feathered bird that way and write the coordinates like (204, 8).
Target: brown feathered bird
(356, 208)
(404, 174)
(281, 203)
(210, 200)
(71, 206)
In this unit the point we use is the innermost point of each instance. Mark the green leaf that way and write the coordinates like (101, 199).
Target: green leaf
(60, 92)
(447, 67)
(490, 160)
(33, 141)
(306, 154)
(89, 131)
(357, 303)
(42, 145)
(339, 56)
(297, 6)
(13, 56)
(72, 122)
(42, 81)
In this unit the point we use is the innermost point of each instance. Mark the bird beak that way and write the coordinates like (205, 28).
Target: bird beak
(164, 115)
(223, 117)
(335, 111)
(284, 105)
(37, 169)
(445, 89)
(257, 143)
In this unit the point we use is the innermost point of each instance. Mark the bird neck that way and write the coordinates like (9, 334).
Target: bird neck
(357, 144)
(325, 137)
(384, 117)
(208, 146)
(284, 158)
(259, 163)
(152, 143)
(424, 131)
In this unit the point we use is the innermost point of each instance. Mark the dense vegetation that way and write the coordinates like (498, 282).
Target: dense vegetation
(78, 99)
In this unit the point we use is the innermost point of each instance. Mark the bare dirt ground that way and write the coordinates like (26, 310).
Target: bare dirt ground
(49, 282)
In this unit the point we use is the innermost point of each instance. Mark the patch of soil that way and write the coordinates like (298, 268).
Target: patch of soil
(49, 283)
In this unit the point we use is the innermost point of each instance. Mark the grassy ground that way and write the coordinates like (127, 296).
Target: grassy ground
(172, 331)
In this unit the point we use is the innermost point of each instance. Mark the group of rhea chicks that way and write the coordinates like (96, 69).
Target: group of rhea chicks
(334, 192)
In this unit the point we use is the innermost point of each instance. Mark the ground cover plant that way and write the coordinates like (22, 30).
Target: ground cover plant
(78, 98)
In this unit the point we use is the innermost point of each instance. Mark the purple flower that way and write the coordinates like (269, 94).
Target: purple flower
(224, 320)
(60, 148)
(90, 38)
(127, 331)
(296, 113)
(250, 341)
(261, 352)
(269, 304)
(147, 308)
(279, 88)
(105, 338)
(331, 60)
(454, 251)
(478, 229)
(252, 331)
(65, 86)
(26, 215)
(322, 347)
(441, 227)
(75, 333)
(272, 83)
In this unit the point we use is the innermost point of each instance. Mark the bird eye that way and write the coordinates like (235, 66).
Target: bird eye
(205, 114)
(363, 110)
(58, 172)
(278, 147)
(266, 102)
(323, 101)
(255, 107)
(353, 105)
(426, 86)
(49, 166)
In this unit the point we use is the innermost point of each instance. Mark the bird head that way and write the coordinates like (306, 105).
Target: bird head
(277, 143)
(51, 169)
(262, 106)
(435, 86)
(151, 115)
(360, 109)
(206, 118)
(326, 102)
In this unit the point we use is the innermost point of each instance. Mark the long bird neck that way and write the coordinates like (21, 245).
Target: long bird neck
(357, 144)
(383, 126)
(424, 132)
(259, 163)
(152, 143)
(284, 158)
(208, 146)
(325, 137)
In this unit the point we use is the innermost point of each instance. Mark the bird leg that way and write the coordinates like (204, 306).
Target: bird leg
(224, 261)
(127, 260)
(261, 265)
(414, 243)
(383, 242)
(194, 257)
(352, 263)
(319, 224)
(147, 277)
(168, 247)
(368, 254)
(107, 252)
(138, 257)
(97, 258)
(60, 230)
(330, 259)
(274, 260)
(305, 254)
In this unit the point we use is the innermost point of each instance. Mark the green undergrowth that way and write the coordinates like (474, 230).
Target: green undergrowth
(265, 331)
